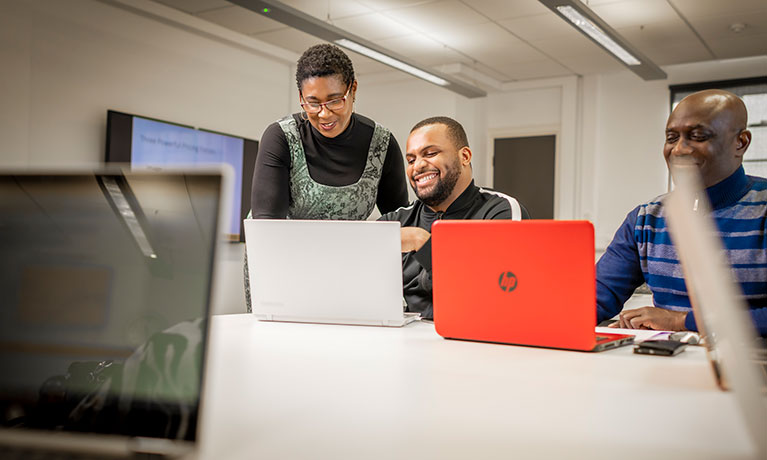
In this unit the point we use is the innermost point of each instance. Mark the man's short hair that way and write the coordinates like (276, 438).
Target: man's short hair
(454, 129)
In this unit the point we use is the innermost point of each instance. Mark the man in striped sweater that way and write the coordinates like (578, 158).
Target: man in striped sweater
(439, 170)
(709, 127)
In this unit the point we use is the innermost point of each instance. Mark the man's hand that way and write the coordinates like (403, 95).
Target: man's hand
(413, 238)
(651, 318)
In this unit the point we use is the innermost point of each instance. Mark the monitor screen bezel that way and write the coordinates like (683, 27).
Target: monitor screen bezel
(118, 150)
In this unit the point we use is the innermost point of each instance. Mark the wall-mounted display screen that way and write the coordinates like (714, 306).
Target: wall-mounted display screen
(143, 141)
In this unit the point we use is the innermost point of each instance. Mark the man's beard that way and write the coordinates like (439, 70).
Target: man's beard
(443, 188)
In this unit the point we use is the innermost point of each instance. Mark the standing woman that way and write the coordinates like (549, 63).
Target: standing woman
(326, 162)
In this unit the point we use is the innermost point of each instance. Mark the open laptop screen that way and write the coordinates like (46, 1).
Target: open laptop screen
(104, 290)
(721, 312)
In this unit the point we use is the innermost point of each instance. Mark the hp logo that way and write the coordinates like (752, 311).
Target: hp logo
(507, 281)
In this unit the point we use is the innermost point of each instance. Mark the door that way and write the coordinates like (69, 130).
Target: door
(523, 167)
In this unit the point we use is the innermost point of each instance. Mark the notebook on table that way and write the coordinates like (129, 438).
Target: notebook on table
(105, 277)
(527, 282)
(339, 272)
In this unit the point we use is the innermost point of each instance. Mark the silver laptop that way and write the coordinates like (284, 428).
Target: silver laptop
(721, 312)
(340, 272)
(105, 281)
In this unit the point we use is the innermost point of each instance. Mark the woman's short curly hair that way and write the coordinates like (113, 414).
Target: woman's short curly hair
(323, 60)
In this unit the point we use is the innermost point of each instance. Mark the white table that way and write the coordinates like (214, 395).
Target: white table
(285, 391)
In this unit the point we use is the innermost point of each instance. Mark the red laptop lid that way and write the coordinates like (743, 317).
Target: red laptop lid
(521, 282)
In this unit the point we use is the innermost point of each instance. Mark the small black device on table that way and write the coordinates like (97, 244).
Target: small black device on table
(660, 347)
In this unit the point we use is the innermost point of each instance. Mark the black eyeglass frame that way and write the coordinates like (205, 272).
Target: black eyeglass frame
(326, 104)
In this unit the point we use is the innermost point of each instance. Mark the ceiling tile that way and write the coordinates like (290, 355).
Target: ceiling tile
(490, 72)
(289, 39)
(635, 12)
(505, 9)
(657, 34)
(692, 9)
(472, 38)
(374, 26)
(564, 46)
(195, 6)
(241, 20)
(437, 18)
(511, 39)
(666, 43)
(718, 27)
(536, 69)
(539, 27)
(332, 9)
(515, 54)
(365, 66)
(591, 3)
(423, 50)
(592, 63)
(384, 5)
(678, 52)
(754, 45)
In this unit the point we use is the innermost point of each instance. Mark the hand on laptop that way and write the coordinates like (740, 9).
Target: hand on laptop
(651, 318)
(413, 238)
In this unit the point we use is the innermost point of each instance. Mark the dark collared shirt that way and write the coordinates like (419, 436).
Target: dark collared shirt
(473, 203)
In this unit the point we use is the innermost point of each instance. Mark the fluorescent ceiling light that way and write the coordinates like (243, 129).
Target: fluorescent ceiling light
(128, 216)
(597, 30)
(280, 12)
(380, 57)
(597, 34)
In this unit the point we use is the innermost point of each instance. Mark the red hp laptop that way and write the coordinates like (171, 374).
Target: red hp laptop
(526, 283)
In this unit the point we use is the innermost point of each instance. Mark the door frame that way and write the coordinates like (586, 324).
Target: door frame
(531, 131)
(570, 188)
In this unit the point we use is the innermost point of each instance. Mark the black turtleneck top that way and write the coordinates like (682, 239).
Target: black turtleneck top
(334, 161)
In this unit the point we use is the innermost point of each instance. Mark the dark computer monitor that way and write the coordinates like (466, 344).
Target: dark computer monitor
(145, 141)
(105, 279)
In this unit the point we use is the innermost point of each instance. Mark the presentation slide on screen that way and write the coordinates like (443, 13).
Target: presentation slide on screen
(161, 144)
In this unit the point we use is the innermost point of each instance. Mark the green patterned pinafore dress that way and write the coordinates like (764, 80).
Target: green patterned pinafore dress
(312, 200)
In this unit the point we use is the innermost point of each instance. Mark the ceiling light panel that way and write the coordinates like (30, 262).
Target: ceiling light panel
(598, 31)
(296, 19)
(597, 34)
(380, 57)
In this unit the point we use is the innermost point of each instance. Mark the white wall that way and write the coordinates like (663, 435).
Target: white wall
(624, 121)
(618, 122)
(541, 107)
(399, 102)
(627, 131)
(65, 63)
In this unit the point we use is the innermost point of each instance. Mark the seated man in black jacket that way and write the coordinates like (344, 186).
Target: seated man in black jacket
(439, 170)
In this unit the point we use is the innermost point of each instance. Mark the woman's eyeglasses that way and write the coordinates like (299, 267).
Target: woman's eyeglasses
(333, 105)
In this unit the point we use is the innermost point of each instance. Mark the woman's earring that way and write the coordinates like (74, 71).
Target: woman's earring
(303, 115)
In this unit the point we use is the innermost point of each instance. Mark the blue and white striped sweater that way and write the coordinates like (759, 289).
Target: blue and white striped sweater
(642, 251)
